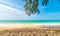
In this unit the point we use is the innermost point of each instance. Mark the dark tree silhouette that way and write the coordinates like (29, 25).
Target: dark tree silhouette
(31, 6)
(44, 2)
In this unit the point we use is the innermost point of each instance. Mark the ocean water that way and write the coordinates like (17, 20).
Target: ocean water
(30, 21)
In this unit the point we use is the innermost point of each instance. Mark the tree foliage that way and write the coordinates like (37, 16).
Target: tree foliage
(31, 6)
(45, 2)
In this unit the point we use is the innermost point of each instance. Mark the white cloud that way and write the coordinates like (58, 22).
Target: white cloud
(9, 13)
(12, 3)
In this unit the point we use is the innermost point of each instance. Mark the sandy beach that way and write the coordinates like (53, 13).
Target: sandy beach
(28, 29)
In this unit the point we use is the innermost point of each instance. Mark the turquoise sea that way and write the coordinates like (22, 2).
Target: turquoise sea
(30, 21)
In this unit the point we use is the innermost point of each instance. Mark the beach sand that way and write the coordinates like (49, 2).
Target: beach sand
(29, 29)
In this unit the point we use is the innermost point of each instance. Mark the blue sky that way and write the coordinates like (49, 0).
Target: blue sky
(13, 10)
